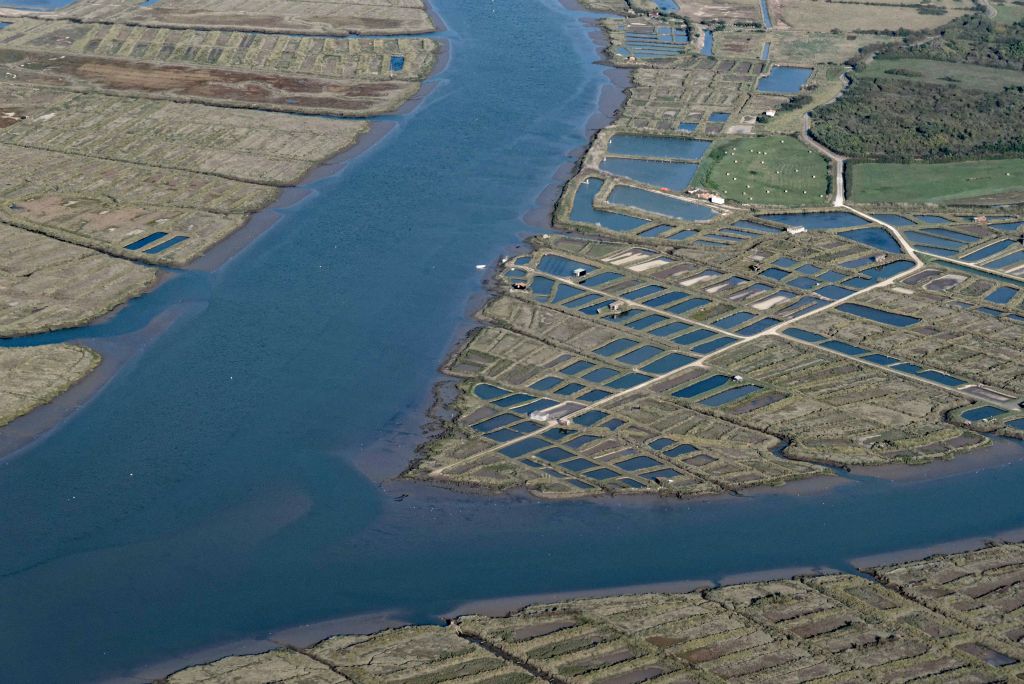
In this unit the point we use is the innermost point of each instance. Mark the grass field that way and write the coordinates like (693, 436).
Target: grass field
(947, 73)
(809, 46)
(777, 170)
(1008, 11)
(984, 182)
(814, 15)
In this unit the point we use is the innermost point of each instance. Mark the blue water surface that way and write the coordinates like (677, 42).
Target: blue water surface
(822, 220)
(627, 195)
(36, 5)
(784, 79)
(672, 175)
(707, 49)
(661, 147)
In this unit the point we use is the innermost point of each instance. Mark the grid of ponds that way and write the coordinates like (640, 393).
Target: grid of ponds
(676, 344)
(881, 360)
(829, 283)
(649, 41)
(717, 238)
(742, 307)
(941, 236)
(936, 280)
(586, 452)
(1004, 255)
(953, 242)
(800, 287)
(664, 162)
(716, 391)
(584, 211)
(654, 304)
(675, 303)
(939, 241)
(656, 318)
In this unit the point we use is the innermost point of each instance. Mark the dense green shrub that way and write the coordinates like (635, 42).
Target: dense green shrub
(901, 120)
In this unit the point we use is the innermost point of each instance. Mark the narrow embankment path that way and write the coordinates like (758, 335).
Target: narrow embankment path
(838, 162)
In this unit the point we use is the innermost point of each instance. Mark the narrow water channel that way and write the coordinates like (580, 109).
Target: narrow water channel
(217, 489)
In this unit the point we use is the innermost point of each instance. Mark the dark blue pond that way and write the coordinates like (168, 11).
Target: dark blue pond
(167, 244)
(982, 413)
(876, 237)
(784, 79)
(37, 5)
(822, 220)
(663, 174)
(989, 250)
(1002, 295)
(148, 240)
(707, 49)
(878, 315)
(226, 482)
(661, 147)
(629, 196)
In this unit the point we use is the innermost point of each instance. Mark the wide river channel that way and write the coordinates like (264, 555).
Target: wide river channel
(226, 482)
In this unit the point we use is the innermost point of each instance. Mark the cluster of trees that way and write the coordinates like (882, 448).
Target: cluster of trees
(903, 119)
(899, 120)
(972, 39)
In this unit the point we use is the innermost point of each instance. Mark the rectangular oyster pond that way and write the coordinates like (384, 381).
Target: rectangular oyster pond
(658, 147)
(660, 204)
(784, 79)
